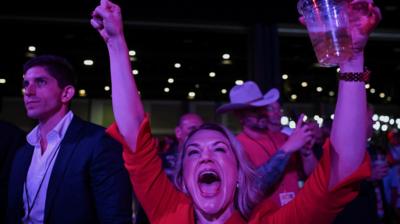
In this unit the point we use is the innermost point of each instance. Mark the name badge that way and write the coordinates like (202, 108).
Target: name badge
(286, 197)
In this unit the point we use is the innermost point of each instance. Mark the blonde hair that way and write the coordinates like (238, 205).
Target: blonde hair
(247, 195)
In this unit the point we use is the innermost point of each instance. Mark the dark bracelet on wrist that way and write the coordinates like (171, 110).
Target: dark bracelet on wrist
(355, 76)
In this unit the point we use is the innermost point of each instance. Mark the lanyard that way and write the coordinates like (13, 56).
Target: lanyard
(30, 206)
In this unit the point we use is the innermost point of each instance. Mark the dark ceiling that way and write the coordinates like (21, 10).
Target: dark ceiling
(195, 35)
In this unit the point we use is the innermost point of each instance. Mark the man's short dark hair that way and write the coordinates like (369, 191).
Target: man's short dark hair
(58, 67)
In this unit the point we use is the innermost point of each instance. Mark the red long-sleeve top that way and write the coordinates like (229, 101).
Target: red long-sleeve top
(164, 203)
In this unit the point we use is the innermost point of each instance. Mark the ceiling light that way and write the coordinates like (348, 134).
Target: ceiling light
(377, 125)
(338, 70)
(367, 86)
(166, 89)
(239, 82)
(389, 98)
(292, 124)
(171, 80)
(106, 88)
(135, 72)
(30, 55)
(191, 95)
(226, 62)
(303, 84)
(82, 92)
(132, 53)
(372, 90)
(3, 81)
(293, 96)
(320, 122)
(212, 74)
(384, 118)
(88, 62)
(197, 86)
(319, 89)
(226, 56)
(285, 76)
(224, 91)
(384, 127)
(331, 93)
(284, 120)
(177, 65)
(32, 48)
(382, 95)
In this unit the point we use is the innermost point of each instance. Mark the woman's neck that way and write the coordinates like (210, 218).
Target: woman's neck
(218, 218)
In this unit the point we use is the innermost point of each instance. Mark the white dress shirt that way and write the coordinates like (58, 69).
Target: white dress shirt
(38, 179)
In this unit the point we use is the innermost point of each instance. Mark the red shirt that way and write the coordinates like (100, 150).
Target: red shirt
(260, 150)
(163, 203)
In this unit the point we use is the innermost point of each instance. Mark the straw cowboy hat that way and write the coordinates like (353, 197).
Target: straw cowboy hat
(248, 95)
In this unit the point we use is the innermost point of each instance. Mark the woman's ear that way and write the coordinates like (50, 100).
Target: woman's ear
(184, 188)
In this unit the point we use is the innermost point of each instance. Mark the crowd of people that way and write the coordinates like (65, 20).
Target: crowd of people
(67, 170)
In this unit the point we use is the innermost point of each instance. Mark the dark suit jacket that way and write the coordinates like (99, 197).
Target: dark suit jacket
(11, 138)
(88, 183)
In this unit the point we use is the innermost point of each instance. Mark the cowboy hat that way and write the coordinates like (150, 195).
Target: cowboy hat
(248, 95)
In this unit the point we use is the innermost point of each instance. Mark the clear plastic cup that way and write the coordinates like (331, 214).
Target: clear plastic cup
(328, 28)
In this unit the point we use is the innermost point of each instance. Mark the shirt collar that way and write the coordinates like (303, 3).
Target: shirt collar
(58, 131)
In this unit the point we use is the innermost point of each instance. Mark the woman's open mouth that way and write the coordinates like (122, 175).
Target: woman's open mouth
(209, 183)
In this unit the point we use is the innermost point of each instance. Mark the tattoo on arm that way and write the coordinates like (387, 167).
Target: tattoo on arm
(272, 170)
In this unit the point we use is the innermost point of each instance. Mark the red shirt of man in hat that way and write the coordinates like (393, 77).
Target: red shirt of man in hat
(260, 143)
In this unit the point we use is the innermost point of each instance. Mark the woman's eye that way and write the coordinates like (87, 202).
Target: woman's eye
(193, 152)
(220, 149)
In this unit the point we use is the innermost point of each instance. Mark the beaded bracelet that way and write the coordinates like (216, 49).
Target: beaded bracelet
(355, 76)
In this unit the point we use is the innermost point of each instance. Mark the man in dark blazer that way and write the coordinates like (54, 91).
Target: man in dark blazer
(11, 138)
(70, 171)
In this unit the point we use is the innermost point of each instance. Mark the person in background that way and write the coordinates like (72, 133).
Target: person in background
(370, 205)
(70, 170)
(274, 116)
(11, 138)
(262, 139)
(187, 123)
(391, 182)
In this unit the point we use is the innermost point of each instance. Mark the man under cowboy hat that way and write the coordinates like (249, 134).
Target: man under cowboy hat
(261, 145)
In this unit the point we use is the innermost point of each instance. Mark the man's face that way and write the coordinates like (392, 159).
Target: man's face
(255, 118)
(42, 95)
(188, 124)
(274, 112)
(210, 172)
